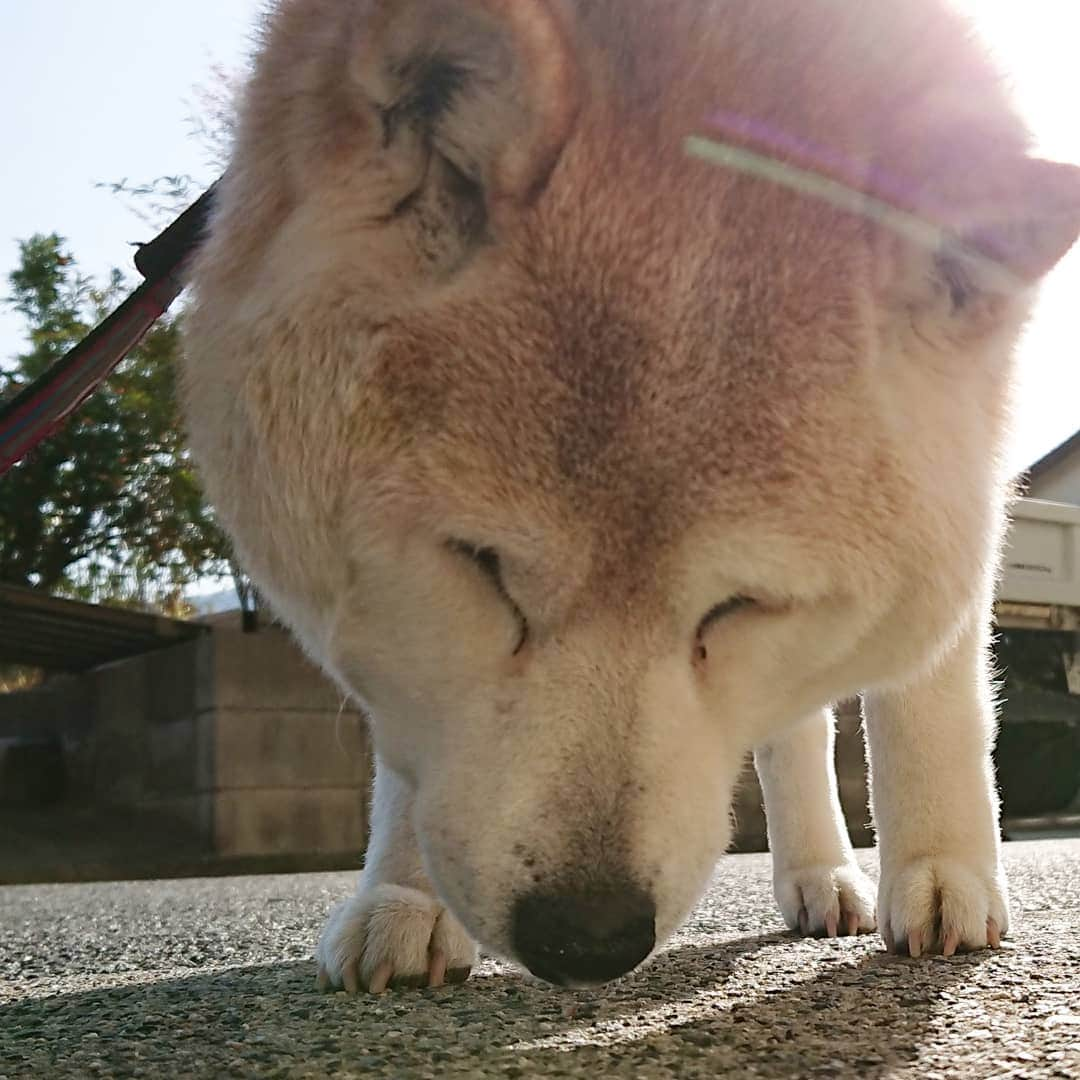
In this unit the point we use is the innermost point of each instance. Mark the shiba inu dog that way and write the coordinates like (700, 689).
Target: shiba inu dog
(600, 389)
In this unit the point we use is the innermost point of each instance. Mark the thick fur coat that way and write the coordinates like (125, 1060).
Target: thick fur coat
(589, 466)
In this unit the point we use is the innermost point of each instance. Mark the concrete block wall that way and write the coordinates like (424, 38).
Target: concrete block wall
(265, 758)
(234, 741)
(40, 731)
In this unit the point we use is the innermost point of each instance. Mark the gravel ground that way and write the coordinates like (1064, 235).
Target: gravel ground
(213, 978)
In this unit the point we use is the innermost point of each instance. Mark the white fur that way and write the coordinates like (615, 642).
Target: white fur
(393, 920)
(818, 885)
(935, 805)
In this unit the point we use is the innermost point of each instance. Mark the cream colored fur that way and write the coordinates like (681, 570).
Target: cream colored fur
(465, 287)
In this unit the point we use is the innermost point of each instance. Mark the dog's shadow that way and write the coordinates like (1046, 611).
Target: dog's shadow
(730, 1008)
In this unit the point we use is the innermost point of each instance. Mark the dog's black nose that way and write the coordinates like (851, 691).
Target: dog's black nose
(587, 937)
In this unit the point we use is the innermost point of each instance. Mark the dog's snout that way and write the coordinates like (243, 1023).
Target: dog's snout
(584, 937)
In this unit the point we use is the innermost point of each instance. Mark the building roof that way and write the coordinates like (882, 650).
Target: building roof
(38, 630)
(1069, 447)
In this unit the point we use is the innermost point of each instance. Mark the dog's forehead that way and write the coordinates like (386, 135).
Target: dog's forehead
(637, 375)
(663, 341)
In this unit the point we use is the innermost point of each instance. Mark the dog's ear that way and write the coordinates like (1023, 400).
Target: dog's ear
(488, 87)
(988, 245)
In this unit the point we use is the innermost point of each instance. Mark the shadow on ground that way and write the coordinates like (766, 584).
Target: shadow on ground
(764, 1006)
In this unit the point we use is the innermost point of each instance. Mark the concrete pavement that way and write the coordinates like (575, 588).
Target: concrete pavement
(213, 977)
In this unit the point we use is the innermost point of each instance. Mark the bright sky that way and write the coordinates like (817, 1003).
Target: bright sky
(102, 92)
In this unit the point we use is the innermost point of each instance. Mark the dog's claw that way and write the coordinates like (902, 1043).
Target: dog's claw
(350, 978)
(915, 944)
(437, 971)
(831, 924)
(993, 934)
(951, 943)
(852, 924)
(381, 979)
(804, 922)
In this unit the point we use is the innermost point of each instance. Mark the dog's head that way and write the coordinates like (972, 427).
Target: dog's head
(586, 464)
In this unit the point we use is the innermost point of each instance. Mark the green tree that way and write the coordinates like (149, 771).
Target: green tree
(108, 509)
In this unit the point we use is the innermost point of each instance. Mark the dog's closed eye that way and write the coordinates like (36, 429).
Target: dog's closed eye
(486, 559)
(713, 616)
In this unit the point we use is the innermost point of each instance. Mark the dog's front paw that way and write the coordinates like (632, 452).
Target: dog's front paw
(943, 904)
(826, 900)
(391, 936)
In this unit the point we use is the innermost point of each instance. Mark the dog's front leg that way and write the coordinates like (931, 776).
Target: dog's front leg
(818, 885)
(935, 807)
(393, 931)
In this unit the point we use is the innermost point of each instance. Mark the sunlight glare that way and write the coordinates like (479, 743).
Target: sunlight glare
(1036, 41)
